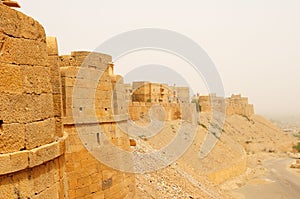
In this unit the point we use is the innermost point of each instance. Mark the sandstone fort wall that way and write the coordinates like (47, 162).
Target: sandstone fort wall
(98, 94)
(32, 143)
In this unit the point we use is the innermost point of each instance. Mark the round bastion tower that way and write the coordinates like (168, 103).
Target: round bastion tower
(31, 137)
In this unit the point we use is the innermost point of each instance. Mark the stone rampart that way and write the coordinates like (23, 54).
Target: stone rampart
(32, 144)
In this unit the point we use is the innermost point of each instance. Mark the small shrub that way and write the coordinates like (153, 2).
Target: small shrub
(297, 135)
(297, 147)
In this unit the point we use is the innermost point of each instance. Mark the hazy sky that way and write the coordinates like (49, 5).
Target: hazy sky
(255, 44)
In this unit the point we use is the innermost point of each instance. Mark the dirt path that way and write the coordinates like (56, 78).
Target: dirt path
(281, 182)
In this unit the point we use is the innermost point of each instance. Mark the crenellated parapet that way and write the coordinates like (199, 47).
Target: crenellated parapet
(236, 104)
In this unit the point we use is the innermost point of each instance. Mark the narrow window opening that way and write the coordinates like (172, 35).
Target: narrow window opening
(98, 138)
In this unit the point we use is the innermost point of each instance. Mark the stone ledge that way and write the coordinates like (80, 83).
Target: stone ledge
(233, 170)
(93, 120)
(17, 161)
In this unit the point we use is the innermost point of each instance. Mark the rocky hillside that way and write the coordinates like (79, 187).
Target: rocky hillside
(234, 154)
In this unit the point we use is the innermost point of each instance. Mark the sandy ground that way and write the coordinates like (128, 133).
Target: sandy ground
(280, 182)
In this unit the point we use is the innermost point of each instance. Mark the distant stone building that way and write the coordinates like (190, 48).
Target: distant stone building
(152, 92)
(145, 95)
(156, 92)
(236, 104)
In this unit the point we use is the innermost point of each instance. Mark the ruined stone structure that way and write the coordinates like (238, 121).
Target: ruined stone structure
(236, 104)
(32, 143)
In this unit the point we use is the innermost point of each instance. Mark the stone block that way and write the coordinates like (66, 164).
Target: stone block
(82, 192)
(55, 80)
(52, 48)
(39, 107)
(51, 192)
(12, 137)
(7, 188)
(88, 170)
(39, 133)
(68, 82)
(84, 182)
(71, 193)
(90, 74)
(58, 127)
(65, 61)
(105, 87)
(11, 78)
(25, 108)
(12, 108)
(96, 178)
(57, 102)
(70, 71)
(23, 183)
(94, 187)
(72, 182)
(23, 52)
(4, 164)
(81, 93)
(76, 54)
(74, 139)
(98, 195)
(42, 178)
(36, 80)
(86, 83)
(44, 153)
(18, 161)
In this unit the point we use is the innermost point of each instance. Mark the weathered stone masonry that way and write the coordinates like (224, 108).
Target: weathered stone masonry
(87, 177)
(236, 104)
(41, 155)
(32, 144)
